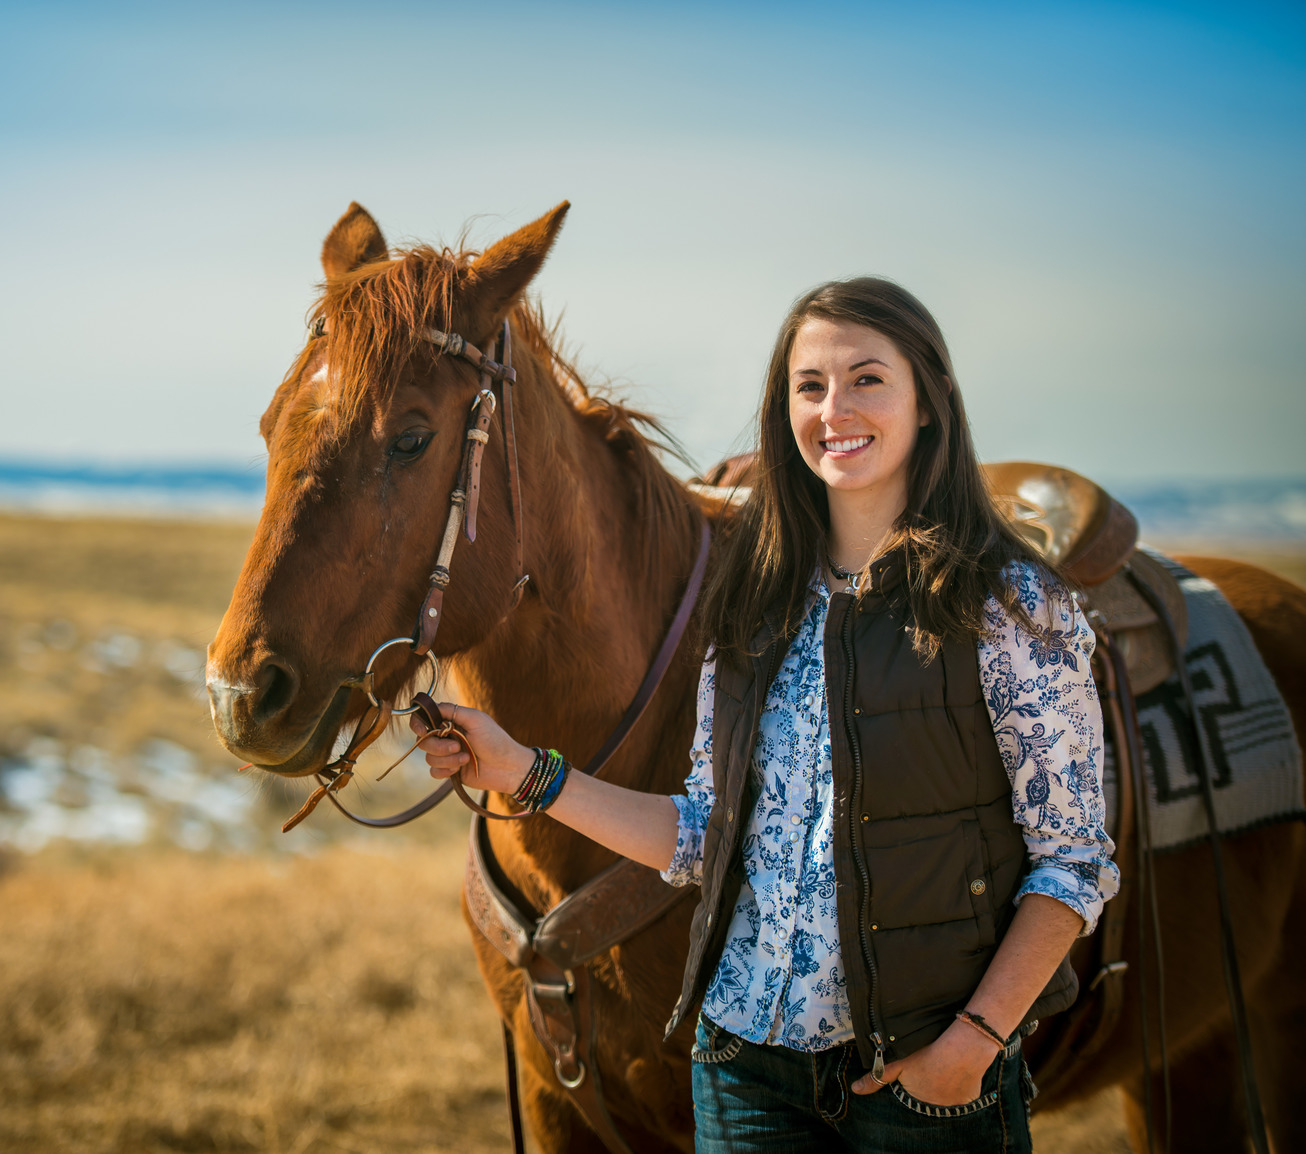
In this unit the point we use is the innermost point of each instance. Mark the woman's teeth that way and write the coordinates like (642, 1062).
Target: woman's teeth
(846, 446)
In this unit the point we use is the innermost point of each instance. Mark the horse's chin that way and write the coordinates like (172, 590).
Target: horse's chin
(315, 753)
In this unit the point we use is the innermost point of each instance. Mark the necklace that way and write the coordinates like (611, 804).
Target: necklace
(842, 574)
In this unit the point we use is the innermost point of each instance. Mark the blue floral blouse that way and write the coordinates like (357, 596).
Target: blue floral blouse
(780, 979)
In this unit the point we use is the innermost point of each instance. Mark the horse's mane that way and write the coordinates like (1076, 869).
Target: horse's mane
(376, 316)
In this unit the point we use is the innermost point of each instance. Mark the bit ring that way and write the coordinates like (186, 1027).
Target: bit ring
(367, 675)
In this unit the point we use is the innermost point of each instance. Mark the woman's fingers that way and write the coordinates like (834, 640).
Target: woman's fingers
(444, 755)
(448, 761)
(868, 1085)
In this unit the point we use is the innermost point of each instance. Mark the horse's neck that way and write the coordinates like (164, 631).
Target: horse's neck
(562, 668)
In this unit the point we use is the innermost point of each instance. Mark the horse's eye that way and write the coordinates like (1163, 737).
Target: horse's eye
(409, 445)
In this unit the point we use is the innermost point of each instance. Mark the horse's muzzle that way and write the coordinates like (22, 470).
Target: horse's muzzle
(254, 721)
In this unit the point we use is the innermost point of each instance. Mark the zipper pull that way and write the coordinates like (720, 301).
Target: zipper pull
(877, 1068)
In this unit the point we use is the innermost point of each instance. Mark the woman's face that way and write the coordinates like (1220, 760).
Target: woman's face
(852, 407)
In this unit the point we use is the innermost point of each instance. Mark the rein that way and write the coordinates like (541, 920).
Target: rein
(463, 503)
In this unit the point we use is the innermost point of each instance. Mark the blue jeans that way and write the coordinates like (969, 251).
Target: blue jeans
(771, 1098)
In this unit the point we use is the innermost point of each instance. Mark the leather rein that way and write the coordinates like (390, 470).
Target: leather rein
(463, 503)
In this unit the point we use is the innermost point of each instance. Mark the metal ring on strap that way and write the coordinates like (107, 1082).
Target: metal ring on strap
(570, 1083)
(367, 675)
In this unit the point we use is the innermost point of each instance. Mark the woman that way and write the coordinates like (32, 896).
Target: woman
(894, 806)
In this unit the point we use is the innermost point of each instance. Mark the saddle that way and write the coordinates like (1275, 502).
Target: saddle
(1092, 538)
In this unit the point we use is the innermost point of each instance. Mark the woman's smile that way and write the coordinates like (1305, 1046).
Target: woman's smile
(846, 447)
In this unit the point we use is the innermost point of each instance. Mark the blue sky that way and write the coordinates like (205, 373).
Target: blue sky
(1102, 203)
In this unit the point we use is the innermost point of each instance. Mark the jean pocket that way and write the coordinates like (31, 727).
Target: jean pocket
(712, 1044)
(929, 1110)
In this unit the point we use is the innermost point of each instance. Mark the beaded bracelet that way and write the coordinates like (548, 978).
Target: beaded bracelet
(543, 769)
(532, 780)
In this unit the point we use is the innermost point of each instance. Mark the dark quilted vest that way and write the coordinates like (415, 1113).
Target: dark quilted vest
(926, 855)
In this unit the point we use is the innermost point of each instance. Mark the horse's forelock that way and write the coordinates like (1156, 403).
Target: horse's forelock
(377, 316)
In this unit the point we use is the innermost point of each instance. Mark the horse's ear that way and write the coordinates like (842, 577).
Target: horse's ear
(356, 239)
(504, 270)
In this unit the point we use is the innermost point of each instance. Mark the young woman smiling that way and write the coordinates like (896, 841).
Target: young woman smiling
(894, 802)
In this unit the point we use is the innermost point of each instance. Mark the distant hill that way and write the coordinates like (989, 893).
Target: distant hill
(1259, 510)
(63, 487)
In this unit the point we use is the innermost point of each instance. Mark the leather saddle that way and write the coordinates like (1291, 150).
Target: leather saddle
(1081, 529)
(1093, 539)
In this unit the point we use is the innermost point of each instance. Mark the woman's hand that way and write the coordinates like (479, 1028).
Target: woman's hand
(947, 1072)
(501, 762)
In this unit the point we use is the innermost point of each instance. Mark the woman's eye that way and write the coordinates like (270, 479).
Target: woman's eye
(870, 380)
(407, 445)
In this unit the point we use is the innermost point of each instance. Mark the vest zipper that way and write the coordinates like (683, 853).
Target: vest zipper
(867, 954)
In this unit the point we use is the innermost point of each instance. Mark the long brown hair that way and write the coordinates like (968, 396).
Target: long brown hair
(954, 541)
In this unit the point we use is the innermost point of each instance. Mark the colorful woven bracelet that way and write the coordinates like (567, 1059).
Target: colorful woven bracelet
(553, 761)
(548, 778)
(554, 787)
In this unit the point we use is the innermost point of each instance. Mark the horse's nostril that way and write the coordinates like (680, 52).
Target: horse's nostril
(277, 685)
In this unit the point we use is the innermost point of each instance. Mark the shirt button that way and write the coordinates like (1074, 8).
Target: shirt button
(809, 701)
(784, 933)
(795, 818)
(793, 836)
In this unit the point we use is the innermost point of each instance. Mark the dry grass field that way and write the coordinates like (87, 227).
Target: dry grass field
(164, 1001)
(157, 998)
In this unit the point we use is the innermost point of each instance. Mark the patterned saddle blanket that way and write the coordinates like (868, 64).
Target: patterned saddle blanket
(1253, 751)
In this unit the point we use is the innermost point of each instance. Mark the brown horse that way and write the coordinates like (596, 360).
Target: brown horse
(364, 439)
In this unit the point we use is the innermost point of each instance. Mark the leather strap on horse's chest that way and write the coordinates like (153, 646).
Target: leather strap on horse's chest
(551, 953)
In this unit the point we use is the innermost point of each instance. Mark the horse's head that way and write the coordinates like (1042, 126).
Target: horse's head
(364, 440)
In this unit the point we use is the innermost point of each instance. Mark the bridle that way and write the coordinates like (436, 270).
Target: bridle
(464, 500)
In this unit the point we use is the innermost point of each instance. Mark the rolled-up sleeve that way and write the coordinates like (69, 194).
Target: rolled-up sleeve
(1048, 723)
(695, 804)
